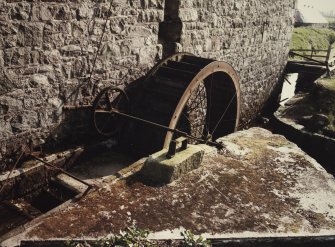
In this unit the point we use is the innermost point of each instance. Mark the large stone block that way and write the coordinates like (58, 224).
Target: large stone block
(188, 15)
(63, 12)
(16, 56)
(85, 11)
(160, 169)
(30, 34)
(21, 11)
(41, 12)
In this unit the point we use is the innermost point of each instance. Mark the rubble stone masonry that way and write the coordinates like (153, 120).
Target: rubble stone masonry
(47, 49)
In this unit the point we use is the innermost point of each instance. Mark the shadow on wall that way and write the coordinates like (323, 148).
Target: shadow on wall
(68, 129)
(70, 126)
(76, 125)
(170, 29)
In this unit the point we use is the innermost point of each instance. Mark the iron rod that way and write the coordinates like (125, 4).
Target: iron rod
(62, 170)
(182, 133)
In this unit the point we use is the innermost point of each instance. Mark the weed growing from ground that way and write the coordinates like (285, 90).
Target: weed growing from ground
(136, 237)
(192, 241)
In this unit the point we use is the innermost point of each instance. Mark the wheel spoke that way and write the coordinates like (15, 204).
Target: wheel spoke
(106, 100)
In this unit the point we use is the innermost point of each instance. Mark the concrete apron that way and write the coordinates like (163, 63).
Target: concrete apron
(319, 146)
(259, 186)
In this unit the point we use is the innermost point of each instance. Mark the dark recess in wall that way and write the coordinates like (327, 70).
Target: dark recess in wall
(170, 29)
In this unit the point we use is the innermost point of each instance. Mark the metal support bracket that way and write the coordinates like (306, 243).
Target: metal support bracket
(173, 147)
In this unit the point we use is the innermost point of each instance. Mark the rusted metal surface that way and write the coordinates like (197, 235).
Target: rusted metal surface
(173, 146)
(30, 191)
(210, 69)
(181, 96)
(176, 56)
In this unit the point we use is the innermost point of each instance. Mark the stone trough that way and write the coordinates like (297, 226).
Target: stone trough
(295, 120)
(261, 185)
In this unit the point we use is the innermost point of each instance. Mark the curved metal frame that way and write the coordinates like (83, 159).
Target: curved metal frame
(217, 66)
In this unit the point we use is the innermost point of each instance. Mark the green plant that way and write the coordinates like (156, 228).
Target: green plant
(73, 243)
(136, 237)
(132, 237)
(192, 240)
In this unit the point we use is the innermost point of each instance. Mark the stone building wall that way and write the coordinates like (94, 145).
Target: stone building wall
(253, 36)
(47, 49)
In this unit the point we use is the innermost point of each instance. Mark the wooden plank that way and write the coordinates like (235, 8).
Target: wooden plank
(296, 66)
(308, 58)
(319, 56)
(329, 54)
(305, 62)
(314, 56)
(332, 53)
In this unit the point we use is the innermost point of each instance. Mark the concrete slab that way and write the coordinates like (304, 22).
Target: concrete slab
(290, 120)
(95, 170)
(261, 185)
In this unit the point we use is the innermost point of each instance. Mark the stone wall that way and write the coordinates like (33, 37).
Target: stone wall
(47, 50)
(253, 36)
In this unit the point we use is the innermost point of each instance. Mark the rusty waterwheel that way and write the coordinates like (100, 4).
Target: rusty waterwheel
(192, 94)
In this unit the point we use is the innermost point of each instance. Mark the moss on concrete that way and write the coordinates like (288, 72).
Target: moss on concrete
(235, 193)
